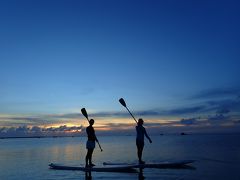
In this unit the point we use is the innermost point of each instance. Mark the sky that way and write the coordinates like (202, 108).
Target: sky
(176, 64)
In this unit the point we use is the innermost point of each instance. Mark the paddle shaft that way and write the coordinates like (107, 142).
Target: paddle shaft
(123, 103)
(99, 146)
(131, 114)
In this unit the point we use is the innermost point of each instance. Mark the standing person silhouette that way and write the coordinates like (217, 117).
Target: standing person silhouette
(141, 132)
(90, 143)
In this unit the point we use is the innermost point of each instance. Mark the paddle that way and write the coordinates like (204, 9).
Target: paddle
(84, 112)
(122, 102)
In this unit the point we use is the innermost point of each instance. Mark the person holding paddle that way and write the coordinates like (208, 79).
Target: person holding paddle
(90, 143)
(141, 132)
(91, 139)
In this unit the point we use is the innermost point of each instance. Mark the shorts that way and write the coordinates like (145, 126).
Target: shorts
(140, 144)
(90, 144)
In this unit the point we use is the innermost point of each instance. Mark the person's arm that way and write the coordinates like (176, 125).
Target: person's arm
(145, 132)
(97, 141)
(95, 137)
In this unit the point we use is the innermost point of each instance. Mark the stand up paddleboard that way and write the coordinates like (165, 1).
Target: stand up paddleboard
(109, 168)
(123, 167)
(165, 164)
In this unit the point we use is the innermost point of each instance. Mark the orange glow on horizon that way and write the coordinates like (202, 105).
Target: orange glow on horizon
(111, 124)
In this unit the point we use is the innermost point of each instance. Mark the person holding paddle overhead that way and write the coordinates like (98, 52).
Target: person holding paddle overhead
(90, 145)
(141, 132)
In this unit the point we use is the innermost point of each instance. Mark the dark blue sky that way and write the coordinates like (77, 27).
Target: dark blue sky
(59, 56)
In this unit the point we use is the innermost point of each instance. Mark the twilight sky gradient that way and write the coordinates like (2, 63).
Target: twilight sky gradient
(176, 63)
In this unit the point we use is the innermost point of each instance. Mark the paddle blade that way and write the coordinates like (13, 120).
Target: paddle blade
(121, 100)
(84, 112)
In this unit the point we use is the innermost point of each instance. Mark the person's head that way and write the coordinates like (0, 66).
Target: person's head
(91, 122)
(140, 121)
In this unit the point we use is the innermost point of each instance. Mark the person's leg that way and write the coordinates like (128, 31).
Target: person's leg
(90, 157)
(139, 151)
(87, 159)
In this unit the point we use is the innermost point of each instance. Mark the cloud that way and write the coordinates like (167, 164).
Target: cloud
(39, 120)
(118, 125)
(220, 110)
(68, 115)
(189, 121)
(223, 111)
(216, 93)
(224, 106)
(186, 110)
(63, 128)
(30, 119)
(36, 131)
(153, 112)
(209, 107)
(237, 121)
(218, 118)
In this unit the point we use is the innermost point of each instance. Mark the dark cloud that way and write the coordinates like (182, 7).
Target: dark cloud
(224, 106)
(68, 116)
(217, 106)
(157, 124)
(149, 113)
(216, 93)
(25, 131)
(223, 111)
(153, 113)
(37, 120)
(237, 121)
(218, 118)
(171, 112)
(130, 125)
(36, 129)
(189, 121)
(30, 119)
(110, 114)
(186, 110)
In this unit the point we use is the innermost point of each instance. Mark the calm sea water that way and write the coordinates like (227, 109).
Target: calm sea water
(217, 157)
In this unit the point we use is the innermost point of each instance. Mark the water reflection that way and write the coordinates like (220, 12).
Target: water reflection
(29, 158)
(88, 175)
(140, 174)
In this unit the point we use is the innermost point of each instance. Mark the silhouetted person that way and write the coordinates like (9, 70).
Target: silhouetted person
(141, 132)
(90, 143)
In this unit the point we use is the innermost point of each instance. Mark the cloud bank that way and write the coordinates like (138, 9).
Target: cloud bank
(217, 107)
(36, 131)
